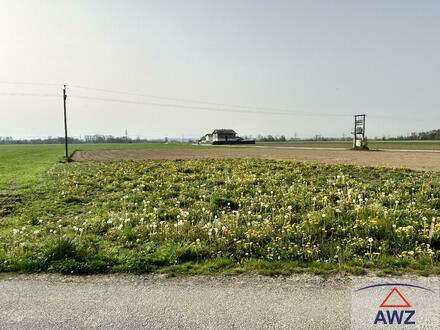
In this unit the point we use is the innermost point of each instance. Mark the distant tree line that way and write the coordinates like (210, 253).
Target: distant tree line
(270, 138)
(97, 138)
(283, 138)
(429, 135)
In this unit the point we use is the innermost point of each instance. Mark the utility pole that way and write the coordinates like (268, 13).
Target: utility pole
(66, 147)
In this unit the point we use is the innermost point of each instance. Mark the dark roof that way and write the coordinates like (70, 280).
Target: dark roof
(224, 131)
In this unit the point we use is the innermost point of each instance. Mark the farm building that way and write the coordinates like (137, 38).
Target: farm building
(224, 136)
(206, 139)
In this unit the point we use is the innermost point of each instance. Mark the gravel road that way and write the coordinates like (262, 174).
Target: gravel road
(242, 302)
(152, 302)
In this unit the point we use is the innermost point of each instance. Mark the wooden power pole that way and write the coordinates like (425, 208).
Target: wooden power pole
(66, 146)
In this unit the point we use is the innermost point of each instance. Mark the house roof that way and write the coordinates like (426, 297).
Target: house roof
(224, 131)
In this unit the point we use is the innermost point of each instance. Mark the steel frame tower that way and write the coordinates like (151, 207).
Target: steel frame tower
(359, 132)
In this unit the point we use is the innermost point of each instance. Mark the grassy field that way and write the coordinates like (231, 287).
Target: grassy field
(223, 216)
(21, 166)
(408, 145)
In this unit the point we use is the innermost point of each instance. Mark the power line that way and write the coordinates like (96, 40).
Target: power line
(29, 83)
(275, 111)
(306, 114)
(166, 98)
(270, 109)
(204, 108)
(232, 108)
(285, 113)
(28, 94)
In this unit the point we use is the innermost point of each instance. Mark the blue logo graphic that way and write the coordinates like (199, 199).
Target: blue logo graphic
(395, 308)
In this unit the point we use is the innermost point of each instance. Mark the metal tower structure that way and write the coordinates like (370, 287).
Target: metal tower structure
(359, 141)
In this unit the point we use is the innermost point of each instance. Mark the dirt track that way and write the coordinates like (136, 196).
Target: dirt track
(416, 160)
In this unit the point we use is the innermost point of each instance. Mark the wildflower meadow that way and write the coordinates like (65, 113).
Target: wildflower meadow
(224, 214)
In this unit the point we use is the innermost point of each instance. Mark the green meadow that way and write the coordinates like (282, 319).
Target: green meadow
(21, 166)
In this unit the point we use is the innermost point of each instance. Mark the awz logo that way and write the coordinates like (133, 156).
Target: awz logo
(395, 308)
(395, 316)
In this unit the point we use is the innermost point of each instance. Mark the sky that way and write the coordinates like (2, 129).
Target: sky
(299, 67)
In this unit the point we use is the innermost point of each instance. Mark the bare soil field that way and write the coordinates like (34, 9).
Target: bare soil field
(415, 160)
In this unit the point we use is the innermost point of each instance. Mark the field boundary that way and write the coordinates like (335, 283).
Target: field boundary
(414, 160)
(334, 148)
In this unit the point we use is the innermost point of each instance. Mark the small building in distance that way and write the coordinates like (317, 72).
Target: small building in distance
(224, 136)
